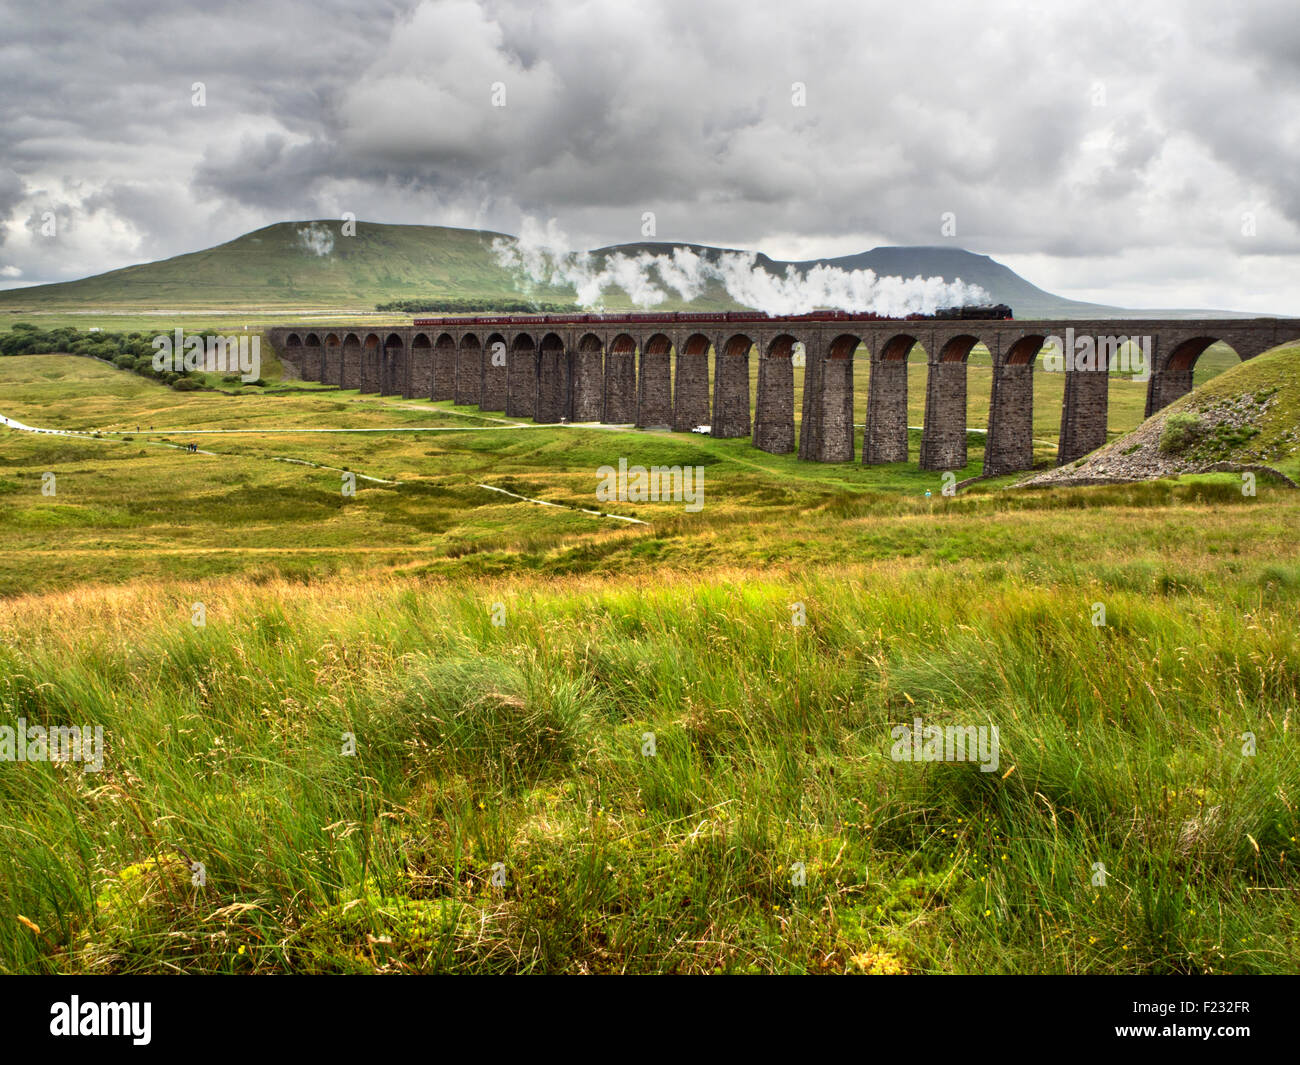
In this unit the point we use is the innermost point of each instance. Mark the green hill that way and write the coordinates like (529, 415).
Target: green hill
(1247, 416)
(1027, 300)
(311, 265)
(277, 267)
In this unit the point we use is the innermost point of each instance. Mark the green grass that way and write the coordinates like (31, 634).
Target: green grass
(521, 743)
(1266, 389)
(129, 504)
(132, 504)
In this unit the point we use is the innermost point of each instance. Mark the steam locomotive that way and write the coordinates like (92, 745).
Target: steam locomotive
(998, 312)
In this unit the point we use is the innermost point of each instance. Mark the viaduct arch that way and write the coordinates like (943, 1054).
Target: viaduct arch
(652, 371)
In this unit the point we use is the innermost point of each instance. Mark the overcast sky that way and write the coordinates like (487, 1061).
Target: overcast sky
(1140, 154)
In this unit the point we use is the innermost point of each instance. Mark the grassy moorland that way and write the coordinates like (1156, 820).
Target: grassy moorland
(525, 743)
(133, 504)
(321, 266)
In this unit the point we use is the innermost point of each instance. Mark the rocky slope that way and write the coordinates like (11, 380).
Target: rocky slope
(1245, 419)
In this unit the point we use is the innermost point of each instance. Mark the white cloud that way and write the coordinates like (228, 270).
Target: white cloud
(685, 109)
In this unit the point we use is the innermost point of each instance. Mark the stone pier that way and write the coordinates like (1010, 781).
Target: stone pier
(943, 440)
(1084, 411)
(588, 385)
(731, 388)
(691, 385)
(1009, 446)
(313, 358)
(351, 362)
(886, 436)
(496, 375)
(469, 371)
(444, 369)
(654, 408)
(521, 379)
(552, 385)
(393, 368)
(835, 414)
(332, 362)
(1165, 387)
(419, 381)
(774, 413)
(371, 358)
(620, 384)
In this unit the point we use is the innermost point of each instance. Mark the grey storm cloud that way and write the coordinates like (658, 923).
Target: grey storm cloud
(11, 195)
(1066, 137)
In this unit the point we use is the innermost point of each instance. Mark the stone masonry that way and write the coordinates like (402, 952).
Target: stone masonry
(774, 411)
(731, 388)
(654, 407)
(621, 369)
(620, 387)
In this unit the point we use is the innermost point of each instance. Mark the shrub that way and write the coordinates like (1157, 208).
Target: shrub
(185, 384)
(1180, 431)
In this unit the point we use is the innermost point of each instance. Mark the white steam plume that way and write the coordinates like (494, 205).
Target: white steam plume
(316, 238)
(542, 257)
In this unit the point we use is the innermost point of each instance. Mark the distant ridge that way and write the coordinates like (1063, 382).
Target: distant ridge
(309, 265)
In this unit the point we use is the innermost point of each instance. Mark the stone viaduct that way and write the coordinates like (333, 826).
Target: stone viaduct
(652, 370)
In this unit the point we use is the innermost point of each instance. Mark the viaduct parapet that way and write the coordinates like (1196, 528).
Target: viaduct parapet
(657, 373)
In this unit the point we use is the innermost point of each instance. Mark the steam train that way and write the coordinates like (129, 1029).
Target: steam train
(998, 312)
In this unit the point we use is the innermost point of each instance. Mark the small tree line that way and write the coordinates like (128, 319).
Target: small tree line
(133, 352)
(464, 305)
